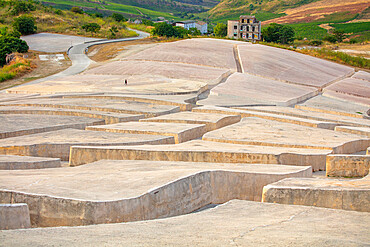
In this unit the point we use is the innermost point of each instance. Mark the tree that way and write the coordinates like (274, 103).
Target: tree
(25, 25)
(220, 30)
(112, 32)
(339, 35)
(194, 32)
(77, 10)
(164, 29)
(118, 17)
(20, 6)
(10, 44)
(91, 27)
(278, 33)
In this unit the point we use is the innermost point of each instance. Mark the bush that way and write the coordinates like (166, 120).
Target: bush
(91, 27)
(330, 38)
(22, 7)
(353, 41)
(278, 33)
(77, 10)
(8, 45)
(315, 42)
(164, 29)
(339, 35)
(118, 17)
(220, 30)
(58, 12)
(25, 25)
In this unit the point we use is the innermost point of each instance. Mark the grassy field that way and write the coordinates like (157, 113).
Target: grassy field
(111, 6)
(17, 67)
(308, 30)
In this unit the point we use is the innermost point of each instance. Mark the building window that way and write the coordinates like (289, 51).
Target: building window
(247, 28)
(252, 29)
(235, 27)
(235, 34)
(247, 20)
(242, 20)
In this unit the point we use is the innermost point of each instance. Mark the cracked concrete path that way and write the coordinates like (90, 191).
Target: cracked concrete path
(236, 223)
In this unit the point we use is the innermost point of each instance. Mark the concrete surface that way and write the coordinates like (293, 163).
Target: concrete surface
(347, 165)
(95, 104)
(363, 75)
(334, 106)
(56, 144)
(212, 121)
(306, 114)
(290, 66)
(241, 223)
(256, 131)
(351, 86)
(53, 42)
(239, 111)
(24, 124)
(354, 130)
(272, 91)
(117, 191)
(14, 216)
(203, 151)
(180, 132)
(107, 117)
(14, 162)
(328, 193)
(201, 52)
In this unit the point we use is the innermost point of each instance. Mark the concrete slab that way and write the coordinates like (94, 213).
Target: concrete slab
(212, 121)
(180, 132)
(201, 52)
(52, 42)
(256, 131)
(5, 97)
(354, 130)
(327, 193)
(14, 162)
(107, 117)
(290, 66)
(230, 101)
(14, 216)
(363, 75)
(146, 70)
(351, 86)
(56, 144)
(276, 117)
(185, 102)
(25, 124)
(272, 91)
(117, 191)
(203, 151)
(319, 116)
(334, 106)
(347, 165)
(348, 98)
(248, 224)
(98, 104)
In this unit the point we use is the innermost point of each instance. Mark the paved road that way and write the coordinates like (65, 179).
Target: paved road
(80, 61)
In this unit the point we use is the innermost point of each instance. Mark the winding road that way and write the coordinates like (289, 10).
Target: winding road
(80, 61)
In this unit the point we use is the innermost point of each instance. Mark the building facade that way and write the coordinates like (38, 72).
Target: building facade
(247, 27)
(202, 27)
(185, 24)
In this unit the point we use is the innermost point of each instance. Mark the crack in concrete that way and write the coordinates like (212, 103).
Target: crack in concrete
(233, 241)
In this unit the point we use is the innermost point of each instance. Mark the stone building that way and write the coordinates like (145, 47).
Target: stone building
(247, 27)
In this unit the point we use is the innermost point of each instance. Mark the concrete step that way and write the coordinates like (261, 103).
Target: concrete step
(203, 151)
(121, 191)
(14, 162)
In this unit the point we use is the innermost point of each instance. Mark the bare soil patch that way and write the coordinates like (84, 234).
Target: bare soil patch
(41, 69)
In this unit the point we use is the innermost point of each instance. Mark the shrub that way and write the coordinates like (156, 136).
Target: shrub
(330, 38)
(77, 10)
(353, 41)
(8, 45)
(164, 29)
(220, 30)
(25, 25)
(339, 35)
(315, 42)
(118, 17)
(91, 27)
(22, 7)
(278, 33)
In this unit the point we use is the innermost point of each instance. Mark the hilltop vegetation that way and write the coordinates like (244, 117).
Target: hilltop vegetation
(49, 19)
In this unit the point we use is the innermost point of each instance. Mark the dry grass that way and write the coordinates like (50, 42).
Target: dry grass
(319, 10)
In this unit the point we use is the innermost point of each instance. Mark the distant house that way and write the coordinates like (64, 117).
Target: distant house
(202, 27)
(138, 21)
(185, 24)
(247, 27)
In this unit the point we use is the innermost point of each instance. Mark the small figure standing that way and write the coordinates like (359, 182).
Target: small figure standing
(125, 82)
